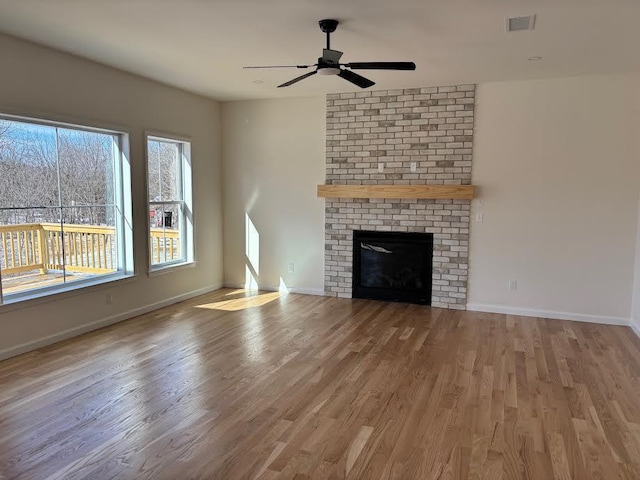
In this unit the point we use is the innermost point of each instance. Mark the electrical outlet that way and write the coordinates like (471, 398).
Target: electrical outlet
(479, 217)
(292, 267)
(380, 167)
(108, 299)
(413, 167)
(513, 284)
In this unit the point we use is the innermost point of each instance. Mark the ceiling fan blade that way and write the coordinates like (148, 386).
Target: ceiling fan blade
(297, 79)
(381, 65)
(356, 79)
(331, 56)
(282, 66)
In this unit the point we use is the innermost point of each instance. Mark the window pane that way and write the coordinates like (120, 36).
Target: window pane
(59, 208)
(169, 169)
(28, 169)
(169, 176)
(163, 171)
(165, 221)
(153, 170)
(86, 167)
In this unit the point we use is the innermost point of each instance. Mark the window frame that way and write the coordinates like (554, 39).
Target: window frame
(186, 220)
(122, 203)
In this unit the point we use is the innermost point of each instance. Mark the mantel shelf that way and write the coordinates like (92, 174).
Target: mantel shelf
(458, 192)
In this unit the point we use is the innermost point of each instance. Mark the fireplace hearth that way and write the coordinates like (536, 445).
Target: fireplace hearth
(392, 266)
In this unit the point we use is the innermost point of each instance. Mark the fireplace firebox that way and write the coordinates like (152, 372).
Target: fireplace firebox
(392, 266)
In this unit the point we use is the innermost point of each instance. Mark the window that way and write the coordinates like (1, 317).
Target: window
(65, 199)
(170, 211)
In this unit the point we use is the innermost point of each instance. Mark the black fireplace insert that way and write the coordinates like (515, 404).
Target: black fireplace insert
(393, 266)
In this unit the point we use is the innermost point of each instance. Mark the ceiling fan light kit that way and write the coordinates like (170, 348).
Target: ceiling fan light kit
(329, 71)
(329, 63)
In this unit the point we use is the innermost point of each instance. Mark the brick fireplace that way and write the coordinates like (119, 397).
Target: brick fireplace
(418, 136)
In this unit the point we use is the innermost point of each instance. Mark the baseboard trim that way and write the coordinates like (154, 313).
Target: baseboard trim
(307, 291)
(88, 327)
(529, 312)
(636, 328)
(268, 288)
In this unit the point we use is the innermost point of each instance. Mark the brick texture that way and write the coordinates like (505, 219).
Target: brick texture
(432, 127)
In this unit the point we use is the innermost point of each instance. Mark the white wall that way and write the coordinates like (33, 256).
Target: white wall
(557, 174)
(274, 156)
(557, 177)
(635, 310)
(45, 83)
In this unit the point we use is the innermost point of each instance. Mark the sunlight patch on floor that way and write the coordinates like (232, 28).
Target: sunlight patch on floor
(243, 303)
(237, 291)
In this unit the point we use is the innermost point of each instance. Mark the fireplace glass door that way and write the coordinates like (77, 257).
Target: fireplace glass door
(393, 266)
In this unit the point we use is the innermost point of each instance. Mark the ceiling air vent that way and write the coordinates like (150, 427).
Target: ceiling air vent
(518, 24)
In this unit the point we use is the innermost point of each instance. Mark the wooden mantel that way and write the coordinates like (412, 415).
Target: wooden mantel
(464, 192)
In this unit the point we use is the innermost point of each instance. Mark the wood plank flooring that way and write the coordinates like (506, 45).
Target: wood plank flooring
(238, 386)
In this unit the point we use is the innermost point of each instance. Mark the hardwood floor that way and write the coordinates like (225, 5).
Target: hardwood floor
(302, 387)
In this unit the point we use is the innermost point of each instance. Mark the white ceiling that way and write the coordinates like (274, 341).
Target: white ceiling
(201, 45)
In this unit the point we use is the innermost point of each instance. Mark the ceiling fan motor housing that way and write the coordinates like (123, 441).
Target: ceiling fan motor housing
(327, 68)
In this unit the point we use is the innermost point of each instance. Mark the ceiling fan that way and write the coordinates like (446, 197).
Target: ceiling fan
(328, 63)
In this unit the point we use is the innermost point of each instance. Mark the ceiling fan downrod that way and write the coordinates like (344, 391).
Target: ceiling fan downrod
(328, 26)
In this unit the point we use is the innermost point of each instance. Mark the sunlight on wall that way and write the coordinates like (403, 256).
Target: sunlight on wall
(252, 253)
(282, 288)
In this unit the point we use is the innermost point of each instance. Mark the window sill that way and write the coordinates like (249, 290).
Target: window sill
(37, 298)
(161, 270)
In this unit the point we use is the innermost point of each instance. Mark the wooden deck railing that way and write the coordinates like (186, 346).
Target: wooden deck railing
(22, 248)
(165, 245)
(43, 246)
(81, 248)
